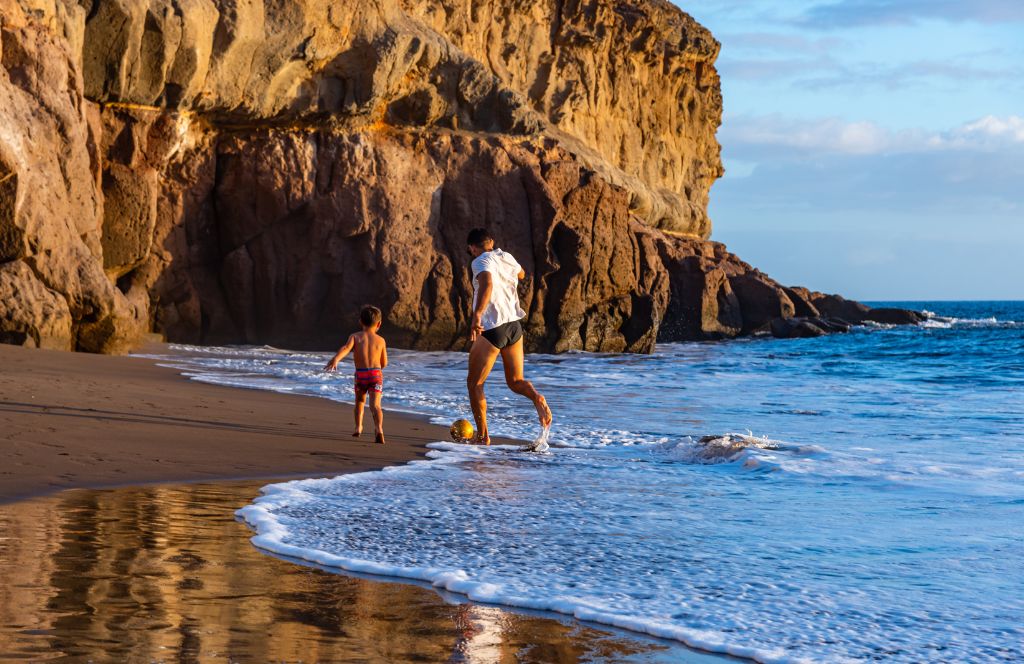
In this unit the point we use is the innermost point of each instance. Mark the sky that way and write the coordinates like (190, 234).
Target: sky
(873, 148)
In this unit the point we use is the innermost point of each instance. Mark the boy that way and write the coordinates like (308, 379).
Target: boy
(370, 354)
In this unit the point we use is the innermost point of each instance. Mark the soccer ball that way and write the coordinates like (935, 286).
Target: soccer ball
(461, 431)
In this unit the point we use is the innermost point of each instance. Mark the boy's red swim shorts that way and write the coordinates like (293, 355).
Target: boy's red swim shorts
(369, 380)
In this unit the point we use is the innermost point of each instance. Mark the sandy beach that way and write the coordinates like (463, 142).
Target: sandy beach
(78, 420)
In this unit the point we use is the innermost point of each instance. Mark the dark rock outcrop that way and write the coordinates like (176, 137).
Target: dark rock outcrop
(795, 328)
(892, 316)
(801, 299)
(232, 172)
(761, 300)
(836, 306)
(702, 304)
(802, 328)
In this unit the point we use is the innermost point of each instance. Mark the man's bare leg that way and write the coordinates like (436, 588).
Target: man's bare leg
(512, 361)
(378, 416)
(358, 414)
(481, 359)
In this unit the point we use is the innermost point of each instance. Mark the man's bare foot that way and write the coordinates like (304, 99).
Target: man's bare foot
(380, 438)
(543, 412)
(484, 439)
(357, 433)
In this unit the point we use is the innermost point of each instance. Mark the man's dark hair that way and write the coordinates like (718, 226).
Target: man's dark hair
(478, 236)
(369, 315)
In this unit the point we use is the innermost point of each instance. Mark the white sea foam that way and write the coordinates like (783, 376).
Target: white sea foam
(273, 517)
(936, 321)
(540, 443)
(500, 526)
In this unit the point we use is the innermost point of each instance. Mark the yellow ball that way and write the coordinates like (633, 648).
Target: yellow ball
(461, 431)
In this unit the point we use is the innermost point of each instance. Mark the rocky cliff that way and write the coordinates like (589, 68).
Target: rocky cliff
(233, 171)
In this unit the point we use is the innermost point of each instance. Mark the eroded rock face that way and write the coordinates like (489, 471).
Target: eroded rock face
(30, 313)
(228, 171)
(633, 85)
(629, 88)
(50, 203)
(312, 225)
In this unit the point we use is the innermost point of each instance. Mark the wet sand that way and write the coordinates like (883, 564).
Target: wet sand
(78, 420)
(166, 573)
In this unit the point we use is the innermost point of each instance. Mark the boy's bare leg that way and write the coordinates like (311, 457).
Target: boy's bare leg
(481, 359)
(358, 414)
(378, 416)
(512, 361)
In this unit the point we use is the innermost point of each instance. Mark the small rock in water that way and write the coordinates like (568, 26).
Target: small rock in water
(727, 446)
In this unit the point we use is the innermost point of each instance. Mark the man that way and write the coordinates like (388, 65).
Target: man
(496, 330)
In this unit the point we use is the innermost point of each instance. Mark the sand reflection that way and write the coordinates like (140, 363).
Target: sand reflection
(166, 573)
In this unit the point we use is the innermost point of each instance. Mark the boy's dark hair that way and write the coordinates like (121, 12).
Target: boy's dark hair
(369, 315)
(478, 236)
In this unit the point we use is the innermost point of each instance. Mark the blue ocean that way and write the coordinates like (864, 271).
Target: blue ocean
(851, 498)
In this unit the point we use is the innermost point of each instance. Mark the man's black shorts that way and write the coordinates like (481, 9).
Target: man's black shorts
(504, 335)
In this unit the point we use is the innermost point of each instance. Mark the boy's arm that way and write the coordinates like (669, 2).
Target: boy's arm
(340, 355)
(383, 354)
(480, 306)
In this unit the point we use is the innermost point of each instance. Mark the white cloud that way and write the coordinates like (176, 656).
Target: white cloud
(902, 12)
(737, 168)
(836, 136)
(830, 135)
(826, 166)
(861, 138)
(1010, 128)
(844, 14)
(764, 41)
(825, 71)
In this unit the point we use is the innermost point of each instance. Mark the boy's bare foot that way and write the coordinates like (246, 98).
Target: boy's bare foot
(543, 412)
(380, 438)
(357, 433)
(484, 439)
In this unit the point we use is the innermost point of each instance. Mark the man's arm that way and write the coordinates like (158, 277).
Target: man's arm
(485, 285)
(340, 355)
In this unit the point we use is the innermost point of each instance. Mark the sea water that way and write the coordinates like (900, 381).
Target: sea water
(869, 506)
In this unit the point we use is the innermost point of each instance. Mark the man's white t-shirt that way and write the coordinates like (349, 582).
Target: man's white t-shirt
(504, 305)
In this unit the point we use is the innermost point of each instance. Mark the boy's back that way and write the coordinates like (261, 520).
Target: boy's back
(368, 350)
